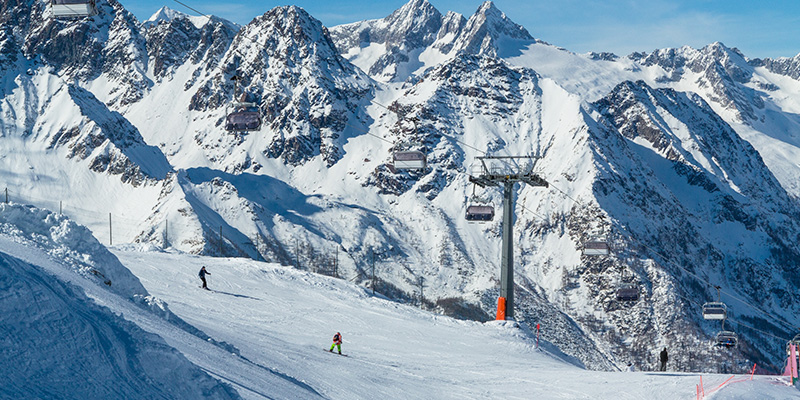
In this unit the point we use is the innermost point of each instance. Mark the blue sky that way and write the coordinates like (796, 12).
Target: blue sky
(763, 28)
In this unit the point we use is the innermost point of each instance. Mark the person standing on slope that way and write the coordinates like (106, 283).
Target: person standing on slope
(337, 342)
(664, 358)
(202, 276)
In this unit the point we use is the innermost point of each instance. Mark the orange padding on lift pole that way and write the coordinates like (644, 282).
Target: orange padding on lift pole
(501, 308)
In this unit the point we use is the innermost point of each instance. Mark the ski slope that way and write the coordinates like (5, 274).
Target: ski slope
(284, 319)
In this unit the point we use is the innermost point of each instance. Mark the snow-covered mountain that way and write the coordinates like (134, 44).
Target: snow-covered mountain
(417, 36)
(684, 159)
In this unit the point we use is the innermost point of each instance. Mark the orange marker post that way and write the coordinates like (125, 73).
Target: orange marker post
(501, 308)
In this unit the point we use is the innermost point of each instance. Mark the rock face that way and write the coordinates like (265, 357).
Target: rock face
(684, 160)
(290, 68)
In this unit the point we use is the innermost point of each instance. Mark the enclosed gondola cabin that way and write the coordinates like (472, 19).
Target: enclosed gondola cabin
(479, 213)
(411, 159)
(627, 292)
(595, 248)
(243, 120)
(726, 339)
(715, 310)
(72, 8)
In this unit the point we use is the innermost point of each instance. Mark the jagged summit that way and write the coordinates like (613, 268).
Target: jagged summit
(417, 36)
(164, 14)
(489, 31)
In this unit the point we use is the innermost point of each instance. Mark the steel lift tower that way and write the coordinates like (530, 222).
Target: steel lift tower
(501, 177)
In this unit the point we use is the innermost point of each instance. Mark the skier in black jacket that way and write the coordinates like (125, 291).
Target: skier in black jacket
(202, 276)
(664, 358)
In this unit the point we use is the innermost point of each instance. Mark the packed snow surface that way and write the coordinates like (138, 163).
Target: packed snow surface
(284, 319)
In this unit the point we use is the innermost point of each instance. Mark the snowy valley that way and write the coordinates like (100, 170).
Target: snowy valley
(685, 161)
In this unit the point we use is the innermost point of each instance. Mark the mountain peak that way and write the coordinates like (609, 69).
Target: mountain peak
(489, 31)
(167, 14)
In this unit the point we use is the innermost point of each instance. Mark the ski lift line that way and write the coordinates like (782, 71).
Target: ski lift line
(190, 7)
(484, 152)
(668, 260)
(739, 323)
(774, 317)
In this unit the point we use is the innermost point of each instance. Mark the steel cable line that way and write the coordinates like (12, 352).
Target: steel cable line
(737, 321)
(779, 318)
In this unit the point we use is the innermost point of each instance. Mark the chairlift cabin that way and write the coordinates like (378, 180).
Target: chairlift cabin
(726, 339)
(243, 120)
(715, 310)
(245, 117)
(479, 213)
(410, 159)
(627, 292)
(595, 248)
(72, 8)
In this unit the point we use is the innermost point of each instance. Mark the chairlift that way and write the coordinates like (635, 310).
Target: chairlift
(627, 292)
(726, 339)
(595, 248)
(715, 309)
(479, 209)
(72, 8)
(403, 157)
(245, 115)
(243, 120)
(409, 159)
(479, 213)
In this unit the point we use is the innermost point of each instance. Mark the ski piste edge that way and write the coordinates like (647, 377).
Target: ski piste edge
(338, 354)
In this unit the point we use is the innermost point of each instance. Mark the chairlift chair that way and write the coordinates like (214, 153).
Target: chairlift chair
(726, 339)
(627, 292)
(595, 248)
(409, 159)
(72, 8)
(246, 115)
(479, 213)
(715, 310)
(245, 119)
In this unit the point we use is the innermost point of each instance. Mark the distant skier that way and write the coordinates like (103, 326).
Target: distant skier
(629, 368)
(202, 276)
(337, 342)
(664, 358)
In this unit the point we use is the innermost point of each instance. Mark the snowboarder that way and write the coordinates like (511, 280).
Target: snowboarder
(664, 358)
(337, 342)
(202, 276)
